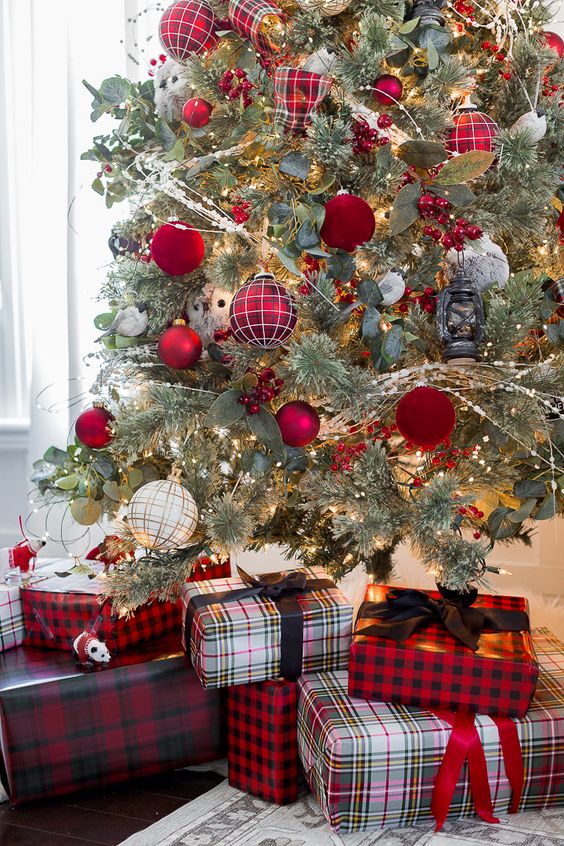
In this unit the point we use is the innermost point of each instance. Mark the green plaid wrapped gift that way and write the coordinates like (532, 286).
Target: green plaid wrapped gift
(240, 641)
(374, 764)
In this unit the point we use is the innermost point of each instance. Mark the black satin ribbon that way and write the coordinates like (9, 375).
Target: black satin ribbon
(407, 610)
(283, 590)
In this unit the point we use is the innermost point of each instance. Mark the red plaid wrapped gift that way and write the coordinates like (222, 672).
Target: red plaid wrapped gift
(57, 609)
(262, 741)
(296, 94)
(62, 729)
(12, 629)
(237, 632)
(433, 668)
(253, 19)
(374, 764)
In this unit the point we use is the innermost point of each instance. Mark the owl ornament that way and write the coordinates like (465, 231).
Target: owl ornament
(208, 311)
(171, 90)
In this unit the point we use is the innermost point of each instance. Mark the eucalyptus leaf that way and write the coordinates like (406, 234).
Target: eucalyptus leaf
(125, 492)
(104, 321)
(341, 266)
(296, 459)
(526, 488)
(326, 181)
(460, 196)
(499, 526)
(261, 464)
(409, 26)
(115, 90)
(547, 508)
(98, 186)
(436, 37)
(67, 483)
(433, 57)
(279, 212)
(370, 327)
(392, 344)
(85, 511)
(135, 479)
(94, 91)
(424, 154)
(523, 512)
(404, 211)
(266, 430)
(369, 292)
(226, 410)
(295, 164)
(104, 465)
(289, 263)
(56, 456)
(307, 236)
(164, 134)
(465, 167)
(111, 490)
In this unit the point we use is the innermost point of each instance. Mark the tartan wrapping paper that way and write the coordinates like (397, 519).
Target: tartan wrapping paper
(247, 16)
(63, 730)
(373, 764)
(12, 629)
(296, 94)
(239, 642)
(262, 747)
(57, 609)
(433, 669)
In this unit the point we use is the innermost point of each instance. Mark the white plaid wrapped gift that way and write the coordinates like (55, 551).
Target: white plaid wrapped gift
(12, 630)
(238, 642)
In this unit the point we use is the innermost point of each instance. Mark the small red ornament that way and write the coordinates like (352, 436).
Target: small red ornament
(177, 248)
(91, 427)
(349, 222)
(196, 112)
(299, 423)
(387, 89)
(473, 130)
(179, 346)
(425, 416)
(554, 41)
(262, 313)
(187, 27)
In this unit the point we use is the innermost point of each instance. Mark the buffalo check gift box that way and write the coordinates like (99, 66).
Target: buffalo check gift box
(63, 604)
(416, 648)
(374, 764)
(250, 629)
(63, 729)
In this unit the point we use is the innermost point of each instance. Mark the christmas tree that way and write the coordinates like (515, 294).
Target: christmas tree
(333, 320)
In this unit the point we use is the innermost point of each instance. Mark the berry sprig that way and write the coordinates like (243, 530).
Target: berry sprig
(366, 138)
(154, 62)
(345, 456)
(240, 211)
(550, 89)
(312, 266)
(425, 300)
(267, 387)
(453, 238)
(234, 84)
(499, 56)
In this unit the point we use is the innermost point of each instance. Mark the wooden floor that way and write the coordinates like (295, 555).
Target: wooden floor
(105, 817)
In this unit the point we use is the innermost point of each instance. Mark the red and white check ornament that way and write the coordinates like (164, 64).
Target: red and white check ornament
(296, 94)
(256, 20)
(187, 27)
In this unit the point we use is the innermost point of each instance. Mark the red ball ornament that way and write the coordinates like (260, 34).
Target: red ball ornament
(349, 222)
(299, 423)
(187, 27)
(196, 112)
(425, 416)
(91, 427)
(387, 89)
(554, 41)
(473, 130)
(262, 313)
(177, 248)
(179, 346)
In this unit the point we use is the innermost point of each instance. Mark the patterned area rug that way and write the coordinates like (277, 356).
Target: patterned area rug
(227, 817)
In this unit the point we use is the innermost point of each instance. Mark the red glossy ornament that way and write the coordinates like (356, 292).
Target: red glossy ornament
(299, 423)
(196, 112)
(91, 427)
(262, 313)
(349, 222)
(554, 41)
(187, 27)
(387, 89)
(179, 346)
(177, 248)
(473, 130)
(425, 416)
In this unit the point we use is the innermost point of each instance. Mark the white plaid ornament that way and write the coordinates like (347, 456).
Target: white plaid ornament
(162, 515)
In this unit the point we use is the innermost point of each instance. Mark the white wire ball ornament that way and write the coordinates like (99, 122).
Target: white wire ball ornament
(326, 7)
(263, 313)
(187, 27)
(162, 515)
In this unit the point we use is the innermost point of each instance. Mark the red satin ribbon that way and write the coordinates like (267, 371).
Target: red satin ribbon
(465, 744)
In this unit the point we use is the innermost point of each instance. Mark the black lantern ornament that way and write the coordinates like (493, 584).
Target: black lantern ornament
(428, 12)
(460, 319)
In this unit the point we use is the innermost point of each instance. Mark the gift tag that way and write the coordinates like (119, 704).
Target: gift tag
(392, 286)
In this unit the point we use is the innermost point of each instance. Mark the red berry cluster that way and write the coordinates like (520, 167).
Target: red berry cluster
(106, 169)
(267, 388)
(499, 56)
(365, 138)
(472, 513)
(454, 238)
(154, 62)
(234, 84)
(431, 206)
(465, 9)
(426, 300)
(343, 459)
(550, 88)
(312, 266)
(240, 211)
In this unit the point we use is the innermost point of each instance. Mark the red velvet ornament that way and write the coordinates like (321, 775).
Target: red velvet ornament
(473, 130)
(177, 248)
(262, 313)
(349, 222)
(179, 346)
(554, 41)
(299, 423)
(187, 27)
(425, 416)
(196, 112)
(91, 427)
(387, 89)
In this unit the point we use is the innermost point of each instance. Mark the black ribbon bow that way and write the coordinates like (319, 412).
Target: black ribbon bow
(406, 610)
(282, 589)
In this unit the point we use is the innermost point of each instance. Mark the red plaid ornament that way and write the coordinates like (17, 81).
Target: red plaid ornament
(187, 27)
(262, 740)
(252, 20)
(296, 94)
(473, 130)
(262, 313)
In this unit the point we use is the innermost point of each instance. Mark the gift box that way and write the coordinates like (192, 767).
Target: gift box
(375, 764)
(57, 608)
(415, 648)
(262, 747)
(63, 729)
(12, 629)
(247, 629)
